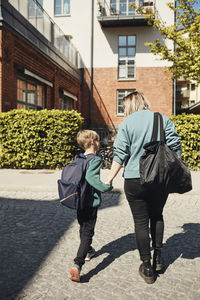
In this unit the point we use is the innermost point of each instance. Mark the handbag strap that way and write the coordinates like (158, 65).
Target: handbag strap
(158, 116)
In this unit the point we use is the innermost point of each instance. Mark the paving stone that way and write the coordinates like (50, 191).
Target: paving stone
(39, 240)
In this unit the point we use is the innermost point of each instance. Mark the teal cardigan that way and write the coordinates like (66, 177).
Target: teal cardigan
(93, 178)
(134, 132)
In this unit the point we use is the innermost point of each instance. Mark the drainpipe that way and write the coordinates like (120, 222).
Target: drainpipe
(91, 63)
(174, 80)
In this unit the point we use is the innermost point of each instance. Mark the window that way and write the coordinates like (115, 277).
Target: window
(30, 94)
(120, 95)
(191, 102)
(61, 7)
(34, 9)
(121, 7)
(66, 103)
(126, 56)
(192, 86)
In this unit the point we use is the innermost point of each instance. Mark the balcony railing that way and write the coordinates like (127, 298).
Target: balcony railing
(37, 16)
(122, 11)
(183, 93)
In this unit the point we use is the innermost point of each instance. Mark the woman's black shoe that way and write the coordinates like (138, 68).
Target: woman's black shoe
(158, 262)
(146, 272)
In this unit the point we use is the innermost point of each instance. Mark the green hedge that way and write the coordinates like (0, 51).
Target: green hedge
(38, 139)
(188, 128)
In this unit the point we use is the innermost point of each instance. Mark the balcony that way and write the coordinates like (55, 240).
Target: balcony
(182, 93)
(56, 41)
(118, 13)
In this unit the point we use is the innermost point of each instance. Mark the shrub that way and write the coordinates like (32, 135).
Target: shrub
(188, 128)
(38, 139)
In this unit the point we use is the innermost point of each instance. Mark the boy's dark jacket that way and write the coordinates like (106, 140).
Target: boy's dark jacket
(91, 185)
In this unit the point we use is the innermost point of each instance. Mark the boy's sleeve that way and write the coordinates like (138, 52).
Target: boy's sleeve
(93, 175)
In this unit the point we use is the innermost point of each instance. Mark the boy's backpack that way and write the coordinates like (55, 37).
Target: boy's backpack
(72, 185)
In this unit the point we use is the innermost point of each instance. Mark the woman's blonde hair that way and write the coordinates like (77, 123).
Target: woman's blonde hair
(85, 138)
(135, 101)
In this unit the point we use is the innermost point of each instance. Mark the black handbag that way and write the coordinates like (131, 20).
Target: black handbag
(160, 167)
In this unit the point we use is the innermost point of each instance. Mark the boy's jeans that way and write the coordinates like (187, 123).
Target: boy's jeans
(87, 220)
(146, 206)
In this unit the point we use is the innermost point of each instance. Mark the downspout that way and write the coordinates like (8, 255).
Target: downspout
(174, 80)
(91, 64)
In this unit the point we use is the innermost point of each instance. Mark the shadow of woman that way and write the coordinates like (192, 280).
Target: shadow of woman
(185, 244)
(115, 249)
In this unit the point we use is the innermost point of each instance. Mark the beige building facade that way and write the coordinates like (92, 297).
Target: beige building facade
(89, 54)
(120, 60)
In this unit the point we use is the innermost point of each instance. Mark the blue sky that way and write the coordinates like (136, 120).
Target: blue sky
(197, 6)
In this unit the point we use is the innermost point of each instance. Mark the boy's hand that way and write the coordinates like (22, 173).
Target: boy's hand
(110, 187)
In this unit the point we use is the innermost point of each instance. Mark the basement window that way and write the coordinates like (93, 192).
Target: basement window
(66, 100)
(30, 94)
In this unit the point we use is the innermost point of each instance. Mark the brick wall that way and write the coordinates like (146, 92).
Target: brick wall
(15, 51)
(153, 82)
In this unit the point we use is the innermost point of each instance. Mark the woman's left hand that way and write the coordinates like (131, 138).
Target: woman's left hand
(109, 181)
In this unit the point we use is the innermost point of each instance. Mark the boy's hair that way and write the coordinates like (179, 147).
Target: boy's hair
(85, 137)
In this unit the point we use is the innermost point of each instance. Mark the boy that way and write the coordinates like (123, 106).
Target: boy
(86, 216)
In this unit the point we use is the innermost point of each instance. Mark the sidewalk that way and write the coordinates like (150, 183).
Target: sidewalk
(46, 180)
(39, 239)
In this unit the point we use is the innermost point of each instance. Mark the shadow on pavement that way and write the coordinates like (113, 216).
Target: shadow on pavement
(110, 199)
(29, 230)
(185, 244)
(115, 249)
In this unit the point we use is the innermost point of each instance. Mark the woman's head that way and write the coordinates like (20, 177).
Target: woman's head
(135, 101)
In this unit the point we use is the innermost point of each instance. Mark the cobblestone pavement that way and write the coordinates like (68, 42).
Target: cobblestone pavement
(39, 239)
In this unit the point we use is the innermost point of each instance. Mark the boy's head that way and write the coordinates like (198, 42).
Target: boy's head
(87, 138)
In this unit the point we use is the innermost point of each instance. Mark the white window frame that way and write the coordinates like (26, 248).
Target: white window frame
(126, 92)
(62, 9)
(126, 60)
(116, 6)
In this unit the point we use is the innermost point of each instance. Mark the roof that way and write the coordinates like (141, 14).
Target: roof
(195, 108)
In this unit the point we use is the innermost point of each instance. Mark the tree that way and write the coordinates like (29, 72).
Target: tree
(185, 33)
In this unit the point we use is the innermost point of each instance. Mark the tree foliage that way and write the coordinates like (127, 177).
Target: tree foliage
(185, 58)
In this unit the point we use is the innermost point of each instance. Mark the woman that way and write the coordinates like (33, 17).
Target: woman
(146, 205)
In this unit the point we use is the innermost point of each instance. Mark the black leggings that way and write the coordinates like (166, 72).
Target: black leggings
(146, 205)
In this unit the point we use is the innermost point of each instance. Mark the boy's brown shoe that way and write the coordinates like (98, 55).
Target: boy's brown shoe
(75, 273)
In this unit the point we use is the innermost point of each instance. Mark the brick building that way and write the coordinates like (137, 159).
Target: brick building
(34, 72)
(38, 54)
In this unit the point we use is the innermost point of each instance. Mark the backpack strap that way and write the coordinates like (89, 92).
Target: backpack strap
(85, 160)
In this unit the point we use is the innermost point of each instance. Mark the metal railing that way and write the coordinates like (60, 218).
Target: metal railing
(183, 93)
(38, 17)
(123, 7)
